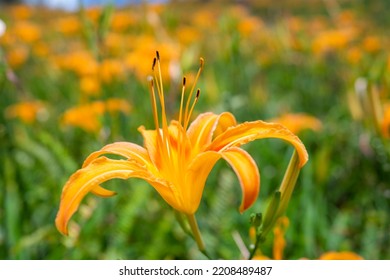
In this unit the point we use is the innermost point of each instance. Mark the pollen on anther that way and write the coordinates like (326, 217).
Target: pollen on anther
(197, 94)
(154, 63)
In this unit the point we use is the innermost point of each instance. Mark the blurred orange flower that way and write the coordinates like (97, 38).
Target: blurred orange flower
(279, 243)
(87, 116)
(250, 25)
(117, 105)
(121, 20)
(204, 18)
(110, 70)
(84, 116)
(17, 56)
(21, 12)
(298, 122)
(68, 26)
(90, 85)
(346, 18)
(332, 40)
(188, 34)
(93, 13)
(27, 32)
(27, 111)
(41, 49)
(80, 62)
(371, 44)
(114, 44)
(279, 240)
(385, 126)
(343, 255)
(354, 55)
(138, 60)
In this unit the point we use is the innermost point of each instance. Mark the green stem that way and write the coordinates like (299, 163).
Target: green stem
(257, 243)
(183, 225)
(274, 212)
(196, 234)
(288, 184)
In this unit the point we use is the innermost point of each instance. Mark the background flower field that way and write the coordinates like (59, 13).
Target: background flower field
(71, 82)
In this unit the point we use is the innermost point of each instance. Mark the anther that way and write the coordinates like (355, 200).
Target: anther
(154, 63)
(158, 55)
(197, 94)
(184, 81)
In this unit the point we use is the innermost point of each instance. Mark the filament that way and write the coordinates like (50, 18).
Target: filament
(183, 89)
(186, 113)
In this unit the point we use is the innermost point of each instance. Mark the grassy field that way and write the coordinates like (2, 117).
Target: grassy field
(71, 83)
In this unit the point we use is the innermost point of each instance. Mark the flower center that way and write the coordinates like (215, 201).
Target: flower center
(172, 139)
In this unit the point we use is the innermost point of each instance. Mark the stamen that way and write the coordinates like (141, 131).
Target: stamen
(201, 62)
(160, 91)
(182, 99)
(186, 115)
(154, 105)
(154, 63)
(161, 81)
(160, 139)
(181, 150)
(192, 108)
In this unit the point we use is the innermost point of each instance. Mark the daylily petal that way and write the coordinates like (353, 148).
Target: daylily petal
(225, 121)
(249, 131)
(166, 191)
(202, 128)
(100, 191)
(127, 150)
(88, 179)
(156, 150)
(178, 137)
(247, 172)
(150, 144)
(196, 176)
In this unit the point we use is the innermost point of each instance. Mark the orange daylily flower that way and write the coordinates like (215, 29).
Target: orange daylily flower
(279, 245)
(86, 116)
(176, 158)
(26, 111)
(343, 255)
(298, 122)
(27, 32)
(385, 124)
